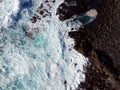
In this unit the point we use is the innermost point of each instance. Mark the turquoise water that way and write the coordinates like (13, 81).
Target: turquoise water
(43, 62)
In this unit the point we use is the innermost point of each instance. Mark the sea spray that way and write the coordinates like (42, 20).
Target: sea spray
(47, 61)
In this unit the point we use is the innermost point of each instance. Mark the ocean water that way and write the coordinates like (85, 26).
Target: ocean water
(45, 60)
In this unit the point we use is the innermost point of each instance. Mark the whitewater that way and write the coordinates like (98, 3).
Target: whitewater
(41, 55)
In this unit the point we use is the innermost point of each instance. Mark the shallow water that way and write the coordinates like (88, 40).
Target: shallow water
(44, 62)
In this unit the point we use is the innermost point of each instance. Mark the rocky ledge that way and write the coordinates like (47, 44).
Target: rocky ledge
(99, 41)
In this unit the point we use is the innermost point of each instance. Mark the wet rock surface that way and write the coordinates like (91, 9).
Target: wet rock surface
(100, 41)
(71, 7)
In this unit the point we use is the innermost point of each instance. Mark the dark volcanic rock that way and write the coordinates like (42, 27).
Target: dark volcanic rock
(70, 8)
(100, 41)
(105, 33)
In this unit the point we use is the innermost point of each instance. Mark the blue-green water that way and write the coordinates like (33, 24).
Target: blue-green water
(43, 62)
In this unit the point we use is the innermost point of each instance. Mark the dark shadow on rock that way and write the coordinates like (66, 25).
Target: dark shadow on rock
(83, 41)
(107, 62)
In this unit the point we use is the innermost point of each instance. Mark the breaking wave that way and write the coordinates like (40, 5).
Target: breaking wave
(43, 60)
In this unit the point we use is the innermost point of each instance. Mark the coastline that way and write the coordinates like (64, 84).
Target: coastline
(99, 41)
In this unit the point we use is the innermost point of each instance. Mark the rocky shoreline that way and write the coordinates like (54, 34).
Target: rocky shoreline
(100, 42)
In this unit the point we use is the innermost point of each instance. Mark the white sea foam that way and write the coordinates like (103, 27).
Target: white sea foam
(43, 62)
(7, 8)
(16, 6)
